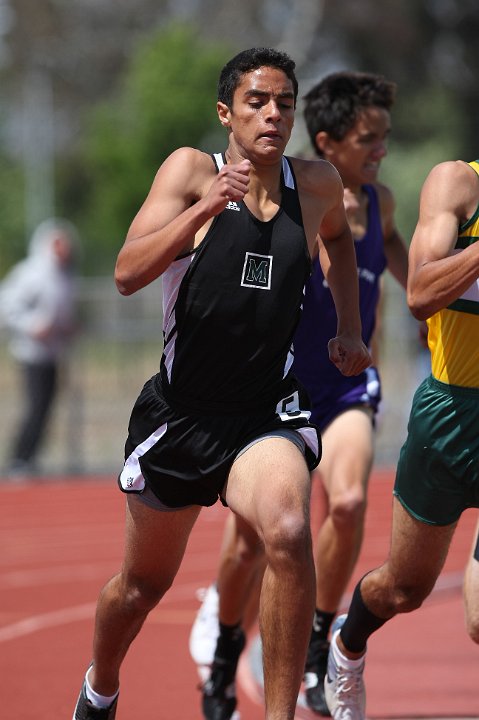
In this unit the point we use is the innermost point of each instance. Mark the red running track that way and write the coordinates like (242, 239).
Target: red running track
(60, 542)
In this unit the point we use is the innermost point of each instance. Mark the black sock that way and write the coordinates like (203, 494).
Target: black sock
(228, 640)
(359, 624)
(318, 642)
(322, 622)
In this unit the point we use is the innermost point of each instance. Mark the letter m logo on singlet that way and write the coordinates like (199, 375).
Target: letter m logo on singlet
(257, 271)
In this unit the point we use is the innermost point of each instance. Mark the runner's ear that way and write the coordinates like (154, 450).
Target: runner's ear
(223, 114)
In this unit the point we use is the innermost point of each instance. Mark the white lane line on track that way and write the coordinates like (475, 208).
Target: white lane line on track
(55, 618)
(32, 624)
(61, 574)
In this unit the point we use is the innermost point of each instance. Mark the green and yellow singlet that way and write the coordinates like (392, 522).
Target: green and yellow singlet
(453, 336)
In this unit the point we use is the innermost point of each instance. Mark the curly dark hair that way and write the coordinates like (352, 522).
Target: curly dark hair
(334, 103)
(249, 60)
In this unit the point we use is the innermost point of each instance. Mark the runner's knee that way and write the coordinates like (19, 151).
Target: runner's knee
(406, 598)
(288, 537)
(387, 594)
(142, 595)
(472, 628)
(348, 509)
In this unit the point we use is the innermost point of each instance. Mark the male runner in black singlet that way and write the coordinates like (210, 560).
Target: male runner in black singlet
(232, 237)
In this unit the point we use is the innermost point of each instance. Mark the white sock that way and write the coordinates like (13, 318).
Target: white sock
(100, 701)
(342, 660)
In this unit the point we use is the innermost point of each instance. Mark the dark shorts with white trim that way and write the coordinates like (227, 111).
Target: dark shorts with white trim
(438, 471)
(184, 459)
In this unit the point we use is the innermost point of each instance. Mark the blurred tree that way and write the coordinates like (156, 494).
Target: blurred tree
(12, 237)
(81, 51)
(417, 143)
(429, 48)
(420, 44)
(167, 99)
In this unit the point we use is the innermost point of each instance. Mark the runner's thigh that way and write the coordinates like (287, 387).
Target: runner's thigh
(271, 477)
(348, 446)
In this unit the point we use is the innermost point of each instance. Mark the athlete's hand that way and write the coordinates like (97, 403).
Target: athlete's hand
(349, 354)
(231, 183)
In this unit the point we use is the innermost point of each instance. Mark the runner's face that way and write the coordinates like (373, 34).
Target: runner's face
(358, 155)
(262, 116)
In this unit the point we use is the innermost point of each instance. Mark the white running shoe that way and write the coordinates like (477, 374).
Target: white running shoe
(205, 630)
(343, 687)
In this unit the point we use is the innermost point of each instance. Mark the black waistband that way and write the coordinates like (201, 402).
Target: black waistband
(186, 406)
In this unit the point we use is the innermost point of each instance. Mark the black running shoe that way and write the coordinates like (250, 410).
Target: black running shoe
(219, 692)
(315, 671)
(84, 710)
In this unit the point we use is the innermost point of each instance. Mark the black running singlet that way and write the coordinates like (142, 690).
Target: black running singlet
(231, 308)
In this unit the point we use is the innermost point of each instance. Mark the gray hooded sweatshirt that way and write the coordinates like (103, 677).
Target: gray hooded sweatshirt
(37, 298)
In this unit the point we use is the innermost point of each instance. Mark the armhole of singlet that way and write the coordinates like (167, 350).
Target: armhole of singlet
(288, 179)
(475, 166)
(219, 160)
(374, 208)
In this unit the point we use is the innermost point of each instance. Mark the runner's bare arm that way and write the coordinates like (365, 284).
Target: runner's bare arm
(437, 276)
(396, 254)
(186, 194)
(338, 261)
(394, 246)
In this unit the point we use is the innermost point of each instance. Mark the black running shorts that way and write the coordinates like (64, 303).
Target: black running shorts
(185, 459)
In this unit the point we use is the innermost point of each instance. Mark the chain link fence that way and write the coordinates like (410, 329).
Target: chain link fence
(118, 347)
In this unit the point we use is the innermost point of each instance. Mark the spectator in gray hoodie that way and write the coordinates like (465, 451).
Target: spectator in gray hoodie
(37, 304)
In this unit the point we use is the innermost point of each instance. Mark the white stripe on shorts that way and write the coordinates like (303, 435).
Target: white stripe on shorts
(131, 478)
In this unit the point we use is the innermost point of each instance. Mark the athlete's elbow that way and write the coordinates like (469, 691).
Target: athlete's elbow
(418, 311)
(124, 282)
(123, 290)
(419, 305)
